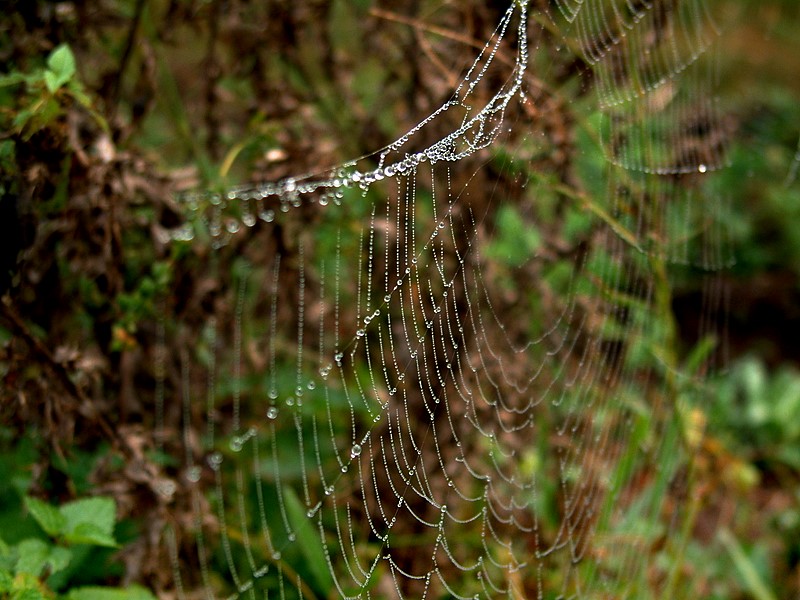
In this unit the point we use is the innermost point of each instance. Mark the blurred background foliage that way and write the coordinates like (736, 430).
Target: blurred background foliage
(109, 108)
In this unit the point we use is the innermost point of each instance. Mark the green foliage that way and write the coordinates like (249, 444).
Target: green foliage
(49, 551)
(760, 412)
(49, 91)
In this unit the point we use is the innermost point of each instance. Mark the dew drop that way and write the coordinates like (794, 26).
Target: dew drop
(215, 460)
(267, 215)
(166, 488)
(273, 394)
(702, 168)
(276, 555)
(290, 401)
(291, 537)
(313, 510)
(355, 451)
(193, 474)
(272, 413)
(231, 226)
(311, 385)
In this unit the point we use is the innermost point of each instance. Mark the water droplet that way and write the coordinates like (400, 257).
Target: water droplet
(259, 573)
(236, 444)
(215, 460)
(291, 537)
(311, 385)
(702, 168)
(166, 488)
(344, 468)
(272, 412)
(386, 298)
(267, 215)
(185, 233)
(360, 333)
(355, 451)
(248, 219)
(193, 474)
(273, 394)
(276, 555)
(313, 510)
(290, 401)
(231, 226)
(329, 490)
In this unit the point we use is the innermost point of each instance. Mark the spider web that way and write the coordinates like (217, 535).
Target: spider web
(413, 388)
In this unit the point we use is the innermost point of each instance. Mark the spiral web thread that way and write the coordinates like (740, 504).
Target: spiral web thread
(413, 391)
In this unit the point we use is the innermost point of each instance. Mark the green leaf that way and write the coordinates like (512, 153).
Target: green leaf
(745, 567)
(308, 540)
(33, 555)
(14, 78)
(6, 581)
(89, 533)
(61, 68)
(98, 513)
(29, 593)
(106, 593)
(59, 559)
(48, 517)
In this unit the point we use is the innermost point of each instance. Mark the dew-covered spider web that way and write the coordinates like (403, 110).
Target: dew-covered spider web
(451, 369)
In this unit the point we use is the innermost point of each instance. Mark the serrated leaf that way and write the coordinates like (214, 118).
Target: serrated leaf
(59, 559)
(47, 516)
(99, 513)
(33, 556)
(61, 64)
(88, 533)
(104, 593)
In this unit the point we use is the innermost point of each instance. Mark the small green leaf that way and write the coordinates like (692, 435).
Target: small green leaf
(104, 593)
(59, 559)
(100, 513)
(14, 78)
(48, 517)
(89, 533)
(33, 555)
(61, 67)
